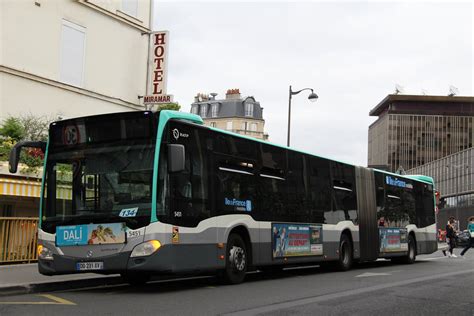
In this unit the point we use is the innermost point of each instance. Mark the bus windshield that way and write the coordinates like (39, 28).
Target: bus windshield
(99, 177)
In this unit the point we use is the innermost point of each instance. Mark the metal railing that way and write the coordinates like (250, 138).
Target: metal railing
(18, 239)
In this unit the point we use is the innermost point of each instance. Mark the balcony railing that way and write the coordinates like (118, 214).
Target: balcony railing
(18, 239)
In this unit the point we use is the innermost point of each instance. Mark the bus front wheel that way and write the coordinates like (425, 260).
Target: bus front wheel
(345, 254)
(411, 255)
(236, 260)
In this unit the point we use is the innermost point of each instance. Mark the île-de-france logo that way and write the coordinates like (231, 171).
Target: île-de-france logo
(177, 134)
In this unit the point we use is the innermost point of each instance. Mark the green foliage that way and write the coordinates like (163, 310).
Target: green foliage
(26, 127)
(169, 106)
(13, 128)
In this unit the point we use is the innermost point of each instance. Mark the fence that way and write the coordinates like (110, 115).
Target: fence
(18, 239)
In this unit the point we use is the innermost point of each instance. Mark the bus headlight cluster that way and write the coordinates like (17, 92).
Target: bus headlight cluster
(146, 248)
(44, 253)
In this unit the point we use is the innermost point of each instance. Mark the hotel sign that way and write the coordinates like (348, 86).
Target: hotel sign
(158, 69)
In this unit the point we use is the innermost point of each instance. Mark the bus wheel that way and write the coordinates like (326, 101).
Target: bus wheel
(135, 278)
(345, 254)
(236, 260)
(411, 255)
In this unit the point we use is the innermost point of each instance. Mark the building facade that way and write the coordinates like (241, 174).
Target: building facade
(454, 179)
(413, 130)
(234, 113)
(74, 57)
(68, 58)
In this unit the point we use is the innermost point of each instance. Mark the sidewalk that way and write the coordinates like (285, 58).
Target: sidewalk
(25, 278)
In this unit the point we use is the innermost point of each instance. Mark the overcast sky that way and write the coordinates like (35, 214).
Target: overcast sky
(352, 54)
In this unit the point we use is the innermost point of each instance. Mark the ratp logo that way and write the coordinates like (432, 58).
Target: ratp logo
(176, 133)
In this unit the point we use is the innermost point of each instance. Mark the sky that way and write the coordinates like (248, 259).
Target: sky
(353, 54)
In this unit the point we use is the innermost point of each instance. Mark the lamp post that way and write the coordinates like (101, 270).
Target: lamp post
(312, 97)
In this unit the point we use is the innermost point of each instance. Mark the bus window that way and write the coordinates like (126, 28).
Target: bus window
(345, 196)
(272, 187)
(319, 189)
(189, 188)
(297, 184)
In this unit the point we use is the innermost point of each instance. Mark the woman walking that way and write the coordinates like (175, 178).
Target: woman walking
(470, 228)
(451, 237)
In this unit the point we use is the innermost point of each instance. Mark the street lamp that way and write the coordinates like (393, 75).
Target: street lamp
(312, 97)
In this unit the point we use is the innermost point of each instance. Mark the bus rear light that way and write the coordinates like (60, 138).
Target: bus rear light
(146, 248)
(221, 257)
(44, 253)
(220, 245)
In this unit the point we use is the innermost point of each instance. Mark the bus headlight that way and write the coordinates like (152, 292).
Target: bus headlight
(146, 248)
(44, 253)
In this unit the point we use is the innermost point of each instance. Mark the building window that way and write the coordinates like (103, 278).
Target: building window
(229, 126)
(213, 124)
(214, 110)
(244, 126)
(253, 127)
(203, 111)
(73, 41)
(194, 109)
(130, 7)
(248, 109)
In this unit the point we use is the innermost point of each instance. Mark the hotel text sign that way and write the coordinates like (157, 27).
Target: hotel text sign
(158, 69)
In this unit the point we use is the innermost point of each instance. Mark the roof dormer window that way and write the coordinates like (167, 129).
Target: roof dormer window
(249, 109)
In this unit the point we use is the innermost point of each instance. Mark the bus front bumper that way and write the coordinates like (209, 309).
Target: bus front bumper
(168, 259)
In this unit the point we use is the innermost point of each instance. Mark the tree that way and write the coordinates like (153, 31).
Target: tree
(169, 106)
(26, 127)
(12, 128)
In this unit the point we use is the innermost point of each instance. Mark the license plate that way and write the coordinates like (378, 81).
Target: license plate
(82, 266)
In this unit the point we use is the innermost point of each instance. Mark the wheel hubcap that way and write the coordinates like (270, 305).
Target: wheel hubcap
(237, 258)
(345, 258)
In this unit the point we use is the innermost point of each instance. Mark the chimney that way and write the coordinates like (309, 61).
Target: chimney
(200, 97)
(232, 94)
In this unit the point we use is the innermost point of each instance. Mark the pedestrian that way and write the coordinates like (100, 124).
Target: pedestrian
(451, 237)
(470, 228)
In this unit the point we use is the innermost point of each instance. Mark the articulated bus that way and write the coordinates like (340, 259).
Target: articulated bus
(146, 193)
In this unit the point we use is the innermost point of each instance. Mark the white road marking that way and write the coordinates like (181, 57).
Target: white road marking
(371, 274)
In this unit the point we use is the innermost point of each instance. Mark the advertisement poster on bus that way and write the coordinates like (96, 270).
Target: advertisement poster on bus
(290, 240)
(393, 239)
(92, 234)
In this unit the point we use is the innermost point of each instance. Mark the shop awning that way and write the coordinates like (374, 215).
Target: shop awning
(29, 188)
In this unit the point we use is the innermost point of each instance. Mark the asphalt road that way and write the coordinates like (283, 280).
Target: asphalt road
(434, 285)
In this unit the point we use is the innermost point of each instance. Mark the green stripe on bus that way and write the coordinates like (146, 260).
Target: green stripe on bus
(165, 116)
(42, 185)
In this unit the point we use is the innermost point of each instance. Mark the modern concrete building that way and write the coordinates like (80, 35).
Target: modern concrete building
(413, 130)
(454, 179)
(68, 58)
(73, 57)
(234, 113)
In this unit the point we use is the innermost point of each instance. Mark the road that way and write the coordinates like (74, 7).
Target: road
(434, 285)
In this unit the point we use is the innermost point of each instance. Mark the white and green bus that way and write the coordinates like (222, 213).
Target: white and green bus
(145, 193)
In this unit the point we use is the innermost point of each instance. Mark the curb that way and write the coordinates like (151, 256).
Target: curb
(58, 286)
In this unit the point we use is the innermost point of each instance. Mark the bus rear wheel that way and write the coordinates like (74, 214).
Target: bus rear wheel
(345, 254)
(236, 260)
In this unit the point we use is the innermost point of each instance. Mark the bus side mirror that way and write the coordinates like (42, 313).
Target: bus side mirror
(176, 158)
(16, 150)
